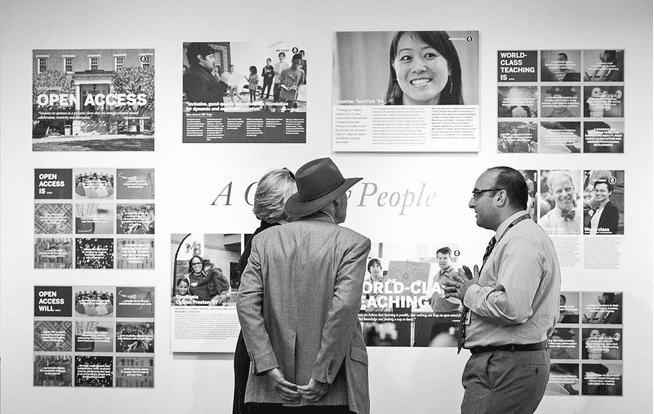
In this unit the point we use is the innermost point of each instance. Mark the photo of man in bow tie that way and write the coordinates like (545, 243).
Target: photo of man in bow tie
(563, 218)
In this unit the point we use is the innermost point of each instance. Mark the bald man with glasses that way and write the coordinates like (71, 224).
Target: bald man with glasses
(511, 303)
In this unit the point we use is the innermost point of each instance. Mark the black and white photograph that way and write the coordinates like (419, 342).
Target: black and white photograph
(604, 198)
(560, 203)
(53, 218)
(606, 136)
(560, 101)
(94, 301)
(109, 211)
(564, 343)
(53, 336)
(563, 380)
(94, 371)
(204, 289)
(517, 102)
(94, 218)
(517, 137)
(403, 302)
(53, 370)
(604, 65)
(135, 218)
(602, 343)
(560, 137)
(94, 183)
(53, 253)
(406, 91)
(242, 92)
(94, 336)
(603, 101)
(603, 308)
(569, 308)
(135, 183)
(134, 372)
(136, 337)
(602, 379)
(439, 220)
(560, 65)
(93, 100)
(94, 253)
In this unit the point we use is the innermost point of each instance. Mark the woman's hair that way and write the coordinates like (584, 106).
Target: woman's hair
(373, 261)
(190, 265)
(609, 186)
(274, 188)
(180, 280)
(451, 93)
(253, 69)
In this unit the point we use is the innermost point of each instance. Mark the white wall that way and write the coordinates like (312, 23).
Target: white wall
(189, 177)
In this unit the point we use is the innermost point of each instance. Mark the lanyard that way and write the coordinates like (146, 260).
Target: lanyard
(513, 223)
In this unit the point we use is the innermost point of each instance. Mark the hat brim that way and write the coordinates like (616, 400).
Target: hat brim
(295, 208)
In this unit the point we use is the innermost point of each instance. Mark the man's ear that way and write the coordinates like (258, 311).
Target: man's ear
(501, 198)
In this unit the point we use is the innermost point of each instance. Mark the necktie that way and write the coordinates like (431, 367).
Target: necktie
(436, 288)
(570, 215)
(489, 249)
(464, 314)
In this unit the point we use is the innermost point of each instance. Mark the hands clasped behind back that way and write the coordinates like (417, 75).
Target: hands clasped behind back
(290, 392)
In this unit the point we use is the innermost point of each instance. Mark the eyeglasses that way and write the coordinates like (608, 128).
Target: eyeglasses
(290, 173)
(476, 193)
(196, 263)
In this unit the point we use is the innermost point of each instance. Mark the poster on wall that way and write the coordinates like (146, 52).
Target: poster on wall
(406, 92)
(94, 218)
(204, 285)
(586, 348)
(93, 100)
(403, 303)
(240, 92)
(87, 336)
(583, 212)
(560, 101)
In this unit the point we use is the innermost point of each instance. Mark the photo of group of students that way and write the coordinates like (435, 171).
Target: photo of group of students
(214, 74)
(244, 92)
(573, 101)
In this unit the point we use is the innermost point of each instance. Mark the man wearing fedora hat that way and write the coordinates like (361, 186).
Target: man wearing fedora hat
(299, 299)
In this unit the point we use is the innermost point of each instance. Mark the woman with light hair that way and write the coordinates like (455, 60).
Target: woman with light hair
(273, 189)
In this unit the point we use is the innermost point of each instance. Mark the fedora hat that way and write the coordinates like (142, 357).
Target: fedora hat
(319, 182)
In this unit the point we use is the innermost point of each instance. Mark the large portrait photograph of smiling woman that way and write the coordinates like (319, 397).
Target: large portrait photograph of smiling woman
(406, 91)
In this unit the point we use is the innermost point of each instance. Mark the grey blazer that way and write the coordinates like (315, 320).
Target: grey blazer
(297, 304)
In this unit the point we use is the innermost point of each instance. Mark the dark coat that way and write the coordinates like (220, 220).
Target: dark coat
(201, 86)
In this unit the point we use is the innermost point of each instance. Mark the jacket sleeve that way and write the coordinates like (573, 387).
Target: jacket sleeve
(249, 307)
(612, 219)
(194, 88)
(343, 316)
